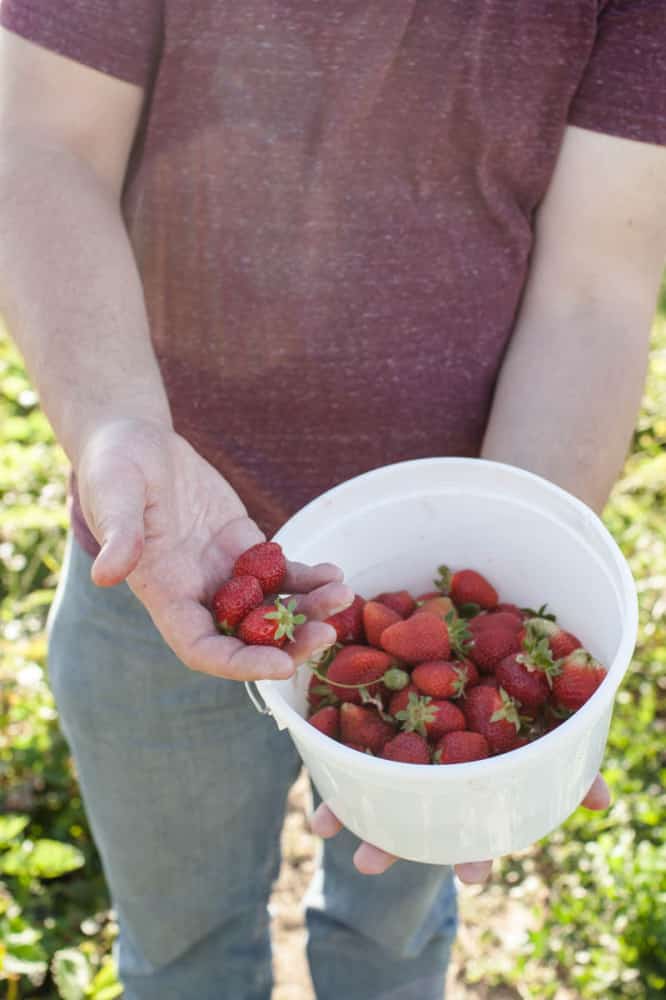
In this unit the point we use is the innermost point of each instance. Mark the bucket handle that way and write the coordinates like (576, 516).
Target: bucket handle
(254, 696)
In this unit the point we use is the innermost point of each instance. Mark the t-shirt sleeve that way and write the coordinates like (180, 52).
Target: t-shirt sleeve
(623, 89)
(118, 37)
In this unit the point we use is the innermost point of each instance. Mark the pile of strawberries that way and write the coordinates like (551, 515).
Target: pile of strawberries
(449, 676)
(446, 677)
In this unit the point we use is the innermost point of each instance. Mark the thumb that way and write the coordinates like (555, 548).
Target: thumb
(118, 511)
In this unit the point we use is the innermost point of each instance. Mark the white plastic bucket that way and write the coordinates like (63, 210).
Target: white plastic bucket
(390, 529)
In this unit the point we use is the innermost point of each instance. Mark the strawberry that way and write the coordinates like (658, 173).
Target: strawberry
(428, 595)
(431, 719)
(419, 638)
(523, 681)
(399, 600)
(440, 678)
(489, 681)
(448, 719)
(580, 676)
(270, 624)
(234, 600)
(409, 748)
(467, 587)
(512, 609)
(348, 623)
(363, 727)
(400, 699)
(377, 617)
(357, 746)
(357, 665)
(460, 747)
(494, 619)
(327, 721)
(561, 643)
(468, 667)
(553, 717)
(320, 694)
(266, 561)
(439, 605)
(494, 714)
(492, 645)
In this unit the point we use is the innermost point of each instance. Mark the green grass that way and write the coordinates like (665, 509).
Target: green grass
(597, 886)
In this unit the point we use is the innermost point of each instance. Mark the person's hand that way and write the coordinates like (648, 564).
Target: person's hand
(370, 860)
(173, 527)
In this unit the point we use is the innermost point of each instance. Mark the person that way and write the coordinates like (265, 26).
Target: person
(249, 251)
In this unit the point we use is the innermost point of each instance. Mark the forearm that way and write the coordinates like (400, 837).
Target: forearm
(71, 295)
(569, 391)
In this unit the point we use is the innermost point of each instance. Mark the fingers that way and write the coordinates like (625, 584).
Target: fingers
(368, 860)
(324, 601)
(237, 536)
(473, 872)
(188, 628)
(324, 823)
(119, 555)
(309, 640)
(302, 578)
(599, 796)
(117, 516)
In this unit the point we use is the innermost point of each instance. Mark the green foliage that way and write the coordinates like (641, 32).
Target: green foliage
(596, 889)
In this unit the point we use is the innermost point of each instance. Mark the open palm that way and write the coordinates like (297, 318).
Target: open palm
(173, 527)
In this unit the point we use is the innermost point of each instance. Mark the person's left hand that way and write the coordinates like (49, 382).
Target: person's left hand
(370, 860)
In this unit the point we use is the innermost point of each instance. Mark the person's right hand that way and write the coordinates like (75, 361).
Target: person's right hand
(173, 527)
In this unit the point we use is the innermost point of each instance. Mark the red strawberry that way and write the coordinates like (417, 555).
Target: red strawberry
(364, 727)
(355, 665)
(580, 676)
(399, 700)
(439, 605)
(460, 747)
(492, 645)
(400, 600)
(522, 680)
(448, 719)
(428, 595)
(266, 561)
(327, 721)
(270, 624)
(410, 748)
(466, 586)
(494, 714)
(419, 638)
(488, 680)
(554, 717)
(234, 600)
(357, 746)
(493, 620)
(431, 719)
(560, 643)
(348, 623)
(512, 609)
(470, 671)
(377, 617)
(440, 678)
(320, 693)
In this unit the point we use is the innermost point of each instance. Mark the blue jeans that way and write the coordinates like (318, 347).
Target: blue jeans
(184, 785)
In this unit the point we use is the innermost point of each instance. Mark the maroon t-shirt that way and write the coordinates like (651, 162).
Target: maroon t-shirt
(331, 206)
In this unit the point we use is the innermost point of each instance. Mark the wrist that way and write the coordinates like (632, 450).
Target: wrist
(114, 429)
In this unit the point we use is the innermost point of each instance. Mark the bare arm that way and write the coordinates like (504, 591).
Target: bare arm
(69, 287)
(570, 387)
(167, 521)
